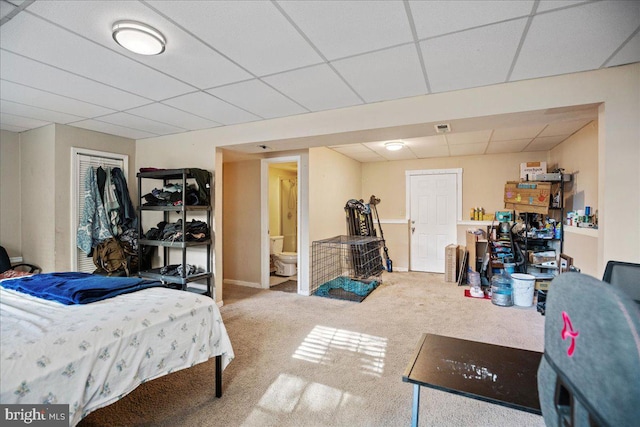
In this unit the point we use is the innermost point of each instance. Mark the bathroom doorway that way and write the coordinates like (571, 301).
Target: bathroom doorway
(283, 224)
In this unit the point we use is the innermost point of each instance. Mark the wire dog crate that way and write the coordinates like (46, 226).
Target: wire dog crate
(346, 267)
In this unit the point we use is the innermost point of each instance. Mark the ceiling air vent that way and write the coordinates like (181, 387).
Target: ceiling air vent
(442, 128)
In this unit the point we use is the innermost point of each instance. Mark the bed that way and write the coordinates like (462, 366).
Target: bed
(91, 355)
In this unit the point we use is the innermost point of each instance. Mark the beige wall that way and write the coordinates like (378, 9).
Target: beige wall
(615, 88)
(45, 185)
(333, 180)
(483, 179)
(578, 155)
(67, 137)
(241, 222)
(584, 251)
(618, 136)
(10, 194)
(38, 187)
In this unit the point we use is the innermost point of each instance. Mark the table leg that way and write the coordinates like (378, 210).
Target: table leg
(416, 405)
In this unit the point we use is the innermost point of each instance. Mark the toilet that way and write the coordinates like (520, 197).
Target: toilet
(285, 263)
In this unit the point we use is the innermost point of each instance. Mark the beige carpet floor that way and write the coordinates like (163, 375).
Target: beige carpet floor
(312, 361)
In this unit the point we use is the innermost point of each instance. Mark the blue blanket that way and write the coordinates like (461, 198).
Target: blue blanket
(76, 288)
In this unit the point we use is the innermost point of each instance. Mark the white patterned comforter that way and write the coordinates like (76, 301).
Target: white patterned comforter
(92, 355)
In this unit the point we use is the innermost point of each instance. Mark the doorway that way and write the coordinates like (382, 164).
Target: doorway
(284, 208)
(434, 206)
(283, 223)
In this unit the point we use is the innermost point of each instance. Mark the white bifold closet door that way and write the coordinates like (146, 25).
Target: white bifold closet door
(81, 161)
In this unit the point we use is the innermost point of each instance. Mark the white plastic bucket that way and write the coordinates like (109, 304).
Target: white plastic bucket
(523, 285)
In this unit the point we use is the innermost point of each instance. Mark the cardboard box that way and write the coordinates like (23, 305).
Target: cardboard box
(529, 170)
(542, 285)
(540, 257)
(451, 263)
(528, 194)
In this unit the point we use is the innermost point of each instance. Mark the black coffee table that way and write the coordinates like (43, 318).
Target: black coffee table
(502, 375)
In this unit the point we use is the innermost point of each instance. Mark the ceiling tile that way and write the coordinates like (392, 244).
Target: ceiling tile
(426, 141)
(386, 74)
(564, 128)
(433, 18)
(583, 44)
(468, 149)
(511, 133)
(209, 107)
(12, 128)
(629, 53)
(36, 98)
(5, 9)
(510, 146)
(94, 19)
(468, 137)
(344, 28)
(254, 34)
(403, 154)
(21, 122)
(140, 123)
(473, 58)
(545, 143)
(37, 39)
(378, 146)
(428, 152)
(258, 98)
(367, 157)
(545, 5)
(24, 71)
(351, 148)
(37, 113)
(317, 88)
(172, 116)
(112, 129)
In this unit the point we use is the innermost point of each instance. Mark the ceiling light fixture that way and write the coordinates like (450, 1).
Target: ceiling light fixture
(138, 37)
(394, 145)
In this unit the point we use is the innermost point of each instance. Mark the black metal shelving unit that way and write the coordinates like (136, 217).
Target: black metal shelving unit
(528, 242)
(180, 176)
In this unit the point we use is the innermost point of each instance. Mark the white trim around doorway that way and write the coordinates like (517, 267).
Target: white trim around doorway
(302, 161)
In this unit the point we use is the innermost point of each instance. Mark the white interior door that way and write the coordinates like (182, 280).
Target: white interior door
(433, 199)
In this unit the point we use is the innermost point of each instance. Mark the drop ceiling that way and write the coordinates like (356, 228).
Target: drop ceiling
(231, 62)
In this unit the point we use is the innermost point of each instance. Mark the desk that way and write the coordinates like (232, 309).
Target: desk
(502, 375)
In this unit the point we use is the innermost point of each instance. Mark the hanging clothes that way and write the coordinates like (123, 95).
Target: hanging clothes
(111, 205)
(94, 225)
(128, 218)
(101, 179)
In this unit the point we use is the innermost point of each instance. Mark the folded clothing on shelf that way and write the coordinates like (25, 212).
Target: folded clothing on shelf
(194, 231)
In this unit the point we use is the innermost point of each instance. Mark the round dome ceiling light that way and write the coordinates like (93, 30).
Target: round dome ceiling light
(394, 145)
(138, 37)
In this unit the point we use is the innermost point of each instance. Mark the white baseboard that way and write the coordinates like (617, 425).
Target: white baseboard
(400, 269)
(15, 259)
(241, 283)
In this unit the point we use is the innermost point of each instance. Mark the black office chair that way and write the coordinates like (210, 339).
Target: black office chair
(590, 372)
(625, 276)
(5, 264)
